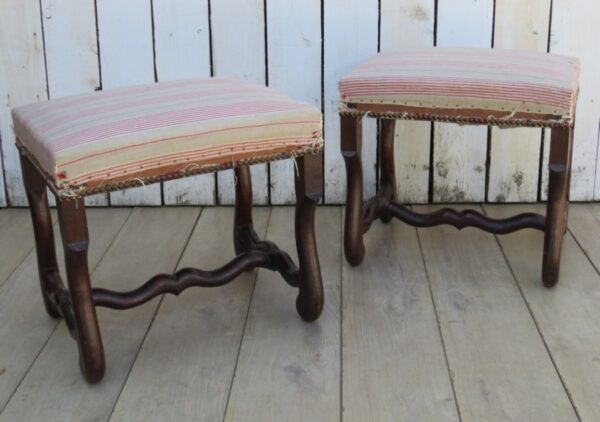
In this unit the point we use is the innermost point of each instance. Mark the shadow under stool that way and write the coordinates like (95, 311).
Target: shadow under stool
(502, 88)
(118, 139)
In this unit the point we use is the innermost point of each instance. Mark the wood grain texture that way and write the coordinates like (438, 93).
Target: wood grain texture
(404, 25)
(569, 315)
(292, 366)
(515, 153)
(489, 352)
(72, 61)
(134, 247)
(294, 50)
(350, 37)
(459, 153)
(575, 32)
(22, 309)
(16, 241)
(22, 81)
(127, 58)
(193, 373)
(389, 324)
(181, 37)
(238, 43)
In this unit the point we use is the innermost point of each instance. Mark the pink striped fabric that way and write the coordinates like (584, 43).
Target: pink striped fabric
(93, 138)
(467, 79)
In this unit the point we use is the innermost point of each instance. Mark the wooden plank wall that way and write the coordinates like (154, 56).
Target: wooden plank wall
(51, 48)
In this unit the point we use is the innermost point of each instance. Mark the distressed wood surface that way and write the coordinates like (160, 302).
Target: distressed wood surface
(193, 373)
(279, 349)
(294, 50)
(182, 45)
(389, 324)
(404, 25)
(350, 37)
(132, 258)
(459, 153)
(22, 310)
(127, 58)
(575, 32)
(22, 81)
(489, 354)
(71, 48)
(16, 241)
(515, 153)
(238, 44)
(568, 316)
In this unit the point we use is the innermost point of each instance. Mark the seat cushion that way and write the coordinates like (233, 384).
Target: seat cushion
(466, 82)
(101, 141)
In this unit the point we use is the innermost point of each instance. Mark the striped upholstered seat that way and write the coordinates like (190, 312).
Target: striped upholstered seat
(474, 85)
(119, 138)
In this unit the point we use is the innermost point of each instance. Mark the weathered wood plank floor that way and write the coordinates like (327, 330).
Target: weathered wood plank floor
(436, 325)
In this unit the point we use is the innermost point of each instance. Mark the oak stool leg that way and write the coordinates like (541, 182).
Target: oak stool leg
(243, 224)
(351, 145)
(387, 171)
(558, 202)
(309, 190)
(36, 190)
(73, 226)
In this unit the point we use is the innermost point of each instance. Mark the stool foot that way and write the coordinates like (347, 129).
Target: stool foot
(561, 151)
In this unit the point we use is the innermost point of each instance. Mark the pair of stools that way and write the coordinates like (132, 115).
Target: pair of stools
(117, 139)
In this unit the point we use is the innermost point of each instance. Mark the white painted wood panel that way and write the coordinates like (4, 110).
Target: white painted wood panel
(22, 81)
(460, 151)
(575, 31)
(515, 153)
(182, 45)
(127, 58)
(404, 25)
(294, 52)
(350, 37)
(71, 47)
(238, 39)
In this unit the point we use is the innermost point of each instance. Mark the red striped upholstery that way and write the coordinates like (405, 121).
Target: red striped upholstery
(473, 80)
(123, 134)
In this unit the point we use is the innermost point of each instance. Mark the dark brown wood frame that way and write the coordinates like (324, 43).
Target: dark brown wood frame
(360, 215)
(77, 303)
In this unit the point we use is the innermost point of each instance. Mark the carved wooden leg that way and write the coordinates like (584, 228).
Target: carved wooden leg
(351, 144)
(243, 208)
(558, 202)
(36, 190)
(309, 190)
(387, 171)
(73, 226)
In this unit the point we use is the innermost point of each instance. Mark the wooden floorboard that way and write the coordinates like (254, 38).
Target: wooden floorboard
(389, 325)
(188, 358)
(426, 312)
(567, 315)
(151, 241)
(289, 370)
(24, 324)
(16, 240)
(499, 364)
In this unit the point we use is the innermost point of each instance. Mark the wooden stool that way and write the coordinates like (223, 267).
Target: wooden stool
(465, 86)
(116, 139)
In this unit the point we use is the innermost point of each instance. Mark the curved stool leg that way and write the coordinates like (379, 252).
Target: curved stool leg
(351, 144)
(243, 207)
(387, 170)
(309, 190)
(558, 203)
(36, 190)
(73, 226)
